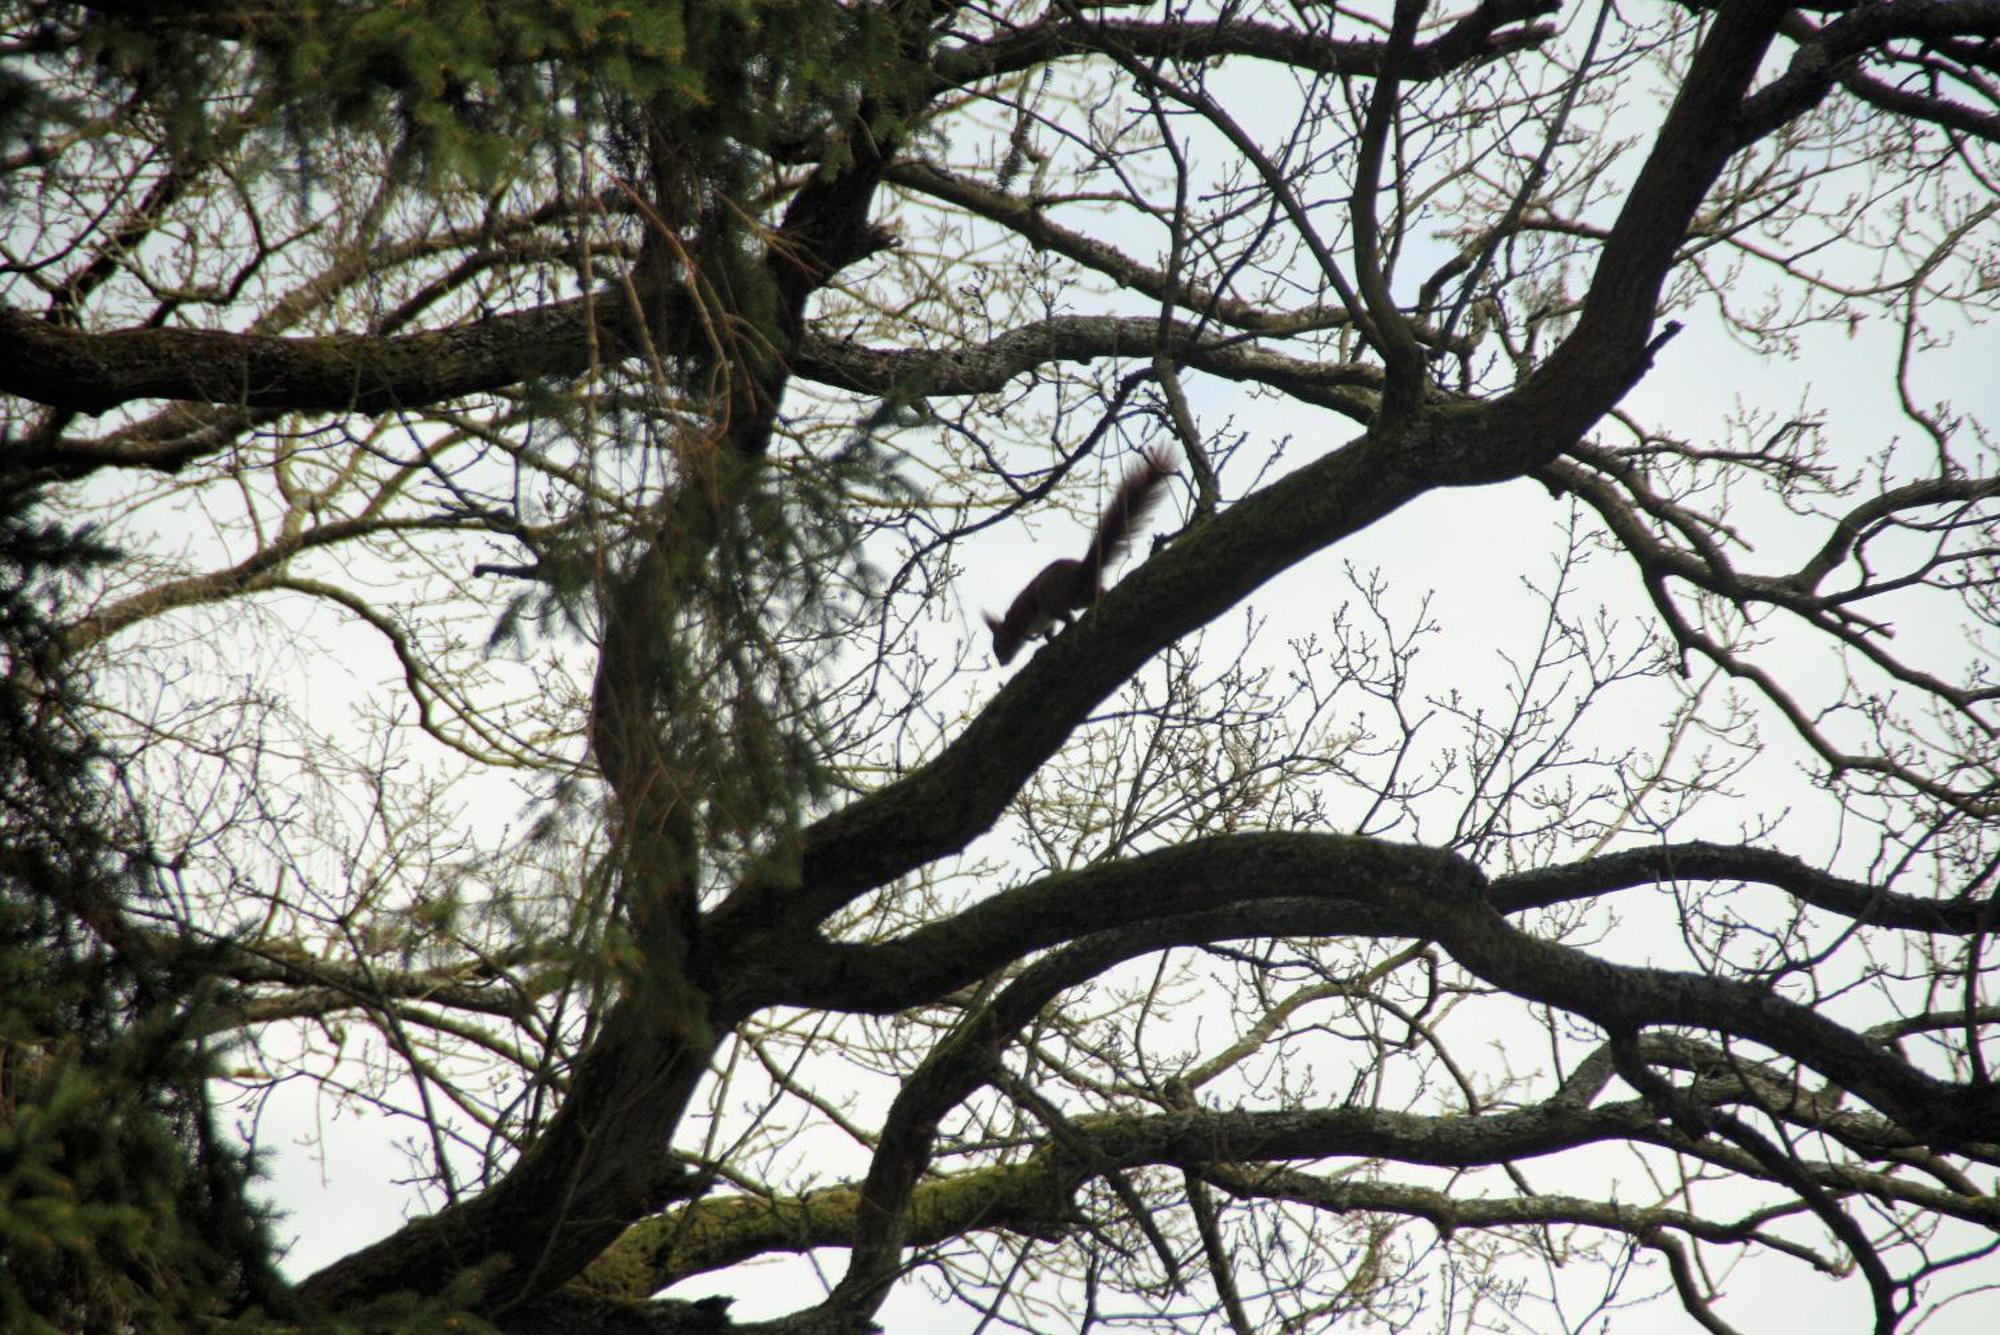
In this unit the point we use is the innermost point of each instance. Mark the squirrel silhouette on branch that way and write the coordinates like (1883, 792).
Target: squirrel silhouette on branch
(1065, 586)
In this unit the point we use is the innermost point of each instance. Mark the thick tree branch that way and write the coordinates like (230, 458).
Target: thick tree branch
(1866, 904)
(363, 373)
(1237, 885)
(1831, 54)
(1629, 999)
(1036, 1195)
(937, 809)
(1474, 39)
(1346, 387)
(1609, 347)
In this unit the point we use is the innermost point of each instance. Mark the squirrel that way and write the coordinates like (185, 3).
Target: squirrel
(1067, 586)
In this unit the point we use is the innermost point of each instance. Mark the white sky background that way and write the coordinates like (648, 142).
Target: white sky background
(339, 1195)
(1468, 551)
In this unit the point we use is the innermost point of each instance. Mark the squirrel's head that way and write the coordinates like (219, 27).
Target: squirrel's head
(1005, 643)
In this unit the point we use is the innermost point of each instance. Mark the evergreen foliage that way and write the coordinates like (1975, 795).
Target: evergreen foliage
(119, 1206)
(465, 83)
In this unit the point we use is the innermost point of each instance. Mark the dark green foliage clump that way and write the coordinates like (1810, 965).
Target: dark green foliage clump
(464, 83)
(120, 1208)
